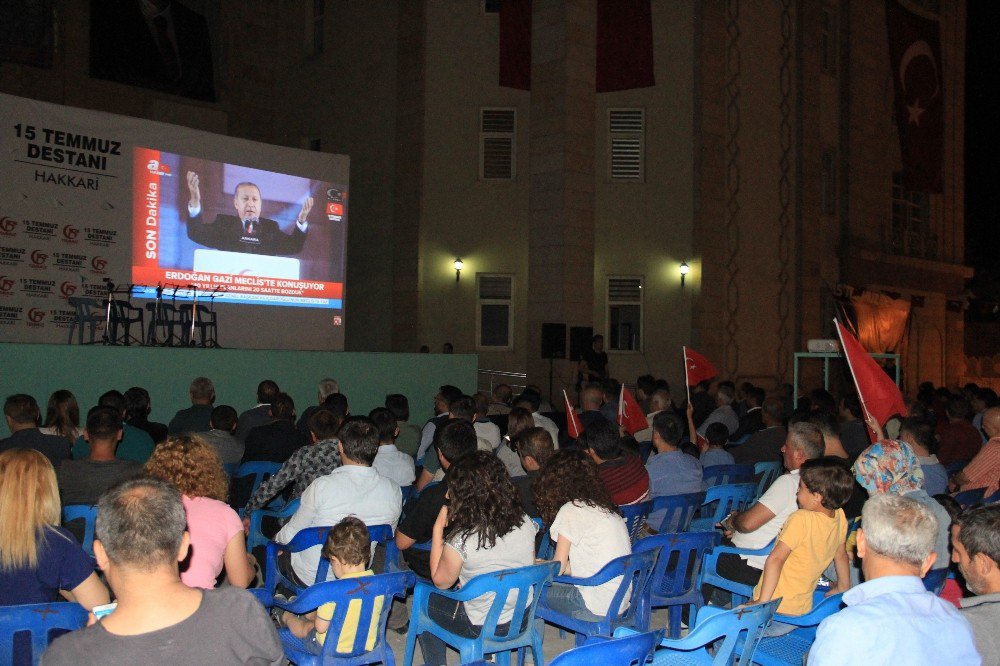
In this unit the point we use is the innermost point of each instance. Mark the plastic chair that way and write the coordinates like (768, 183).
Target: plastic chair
(86, 513)
(409, 492)
(678, 511)
(635, 518)
(955, 467)
(676, 577)
(303, 540)
(969, 497)
(88, 313)
(205, 323)
(260, 471)
(255, 535)
(523, 631)
(718, 475)
(791, 648)
(740, 628)
(125, 314)
(165, 321)
(230, 469)
(546, 549)
(366, 589)
(995, 497)
(768, 472)
(736, 442)
(935, 579)
(710, 571)
(40, 620)
(636, 572)
(624, 651)
(726, 498)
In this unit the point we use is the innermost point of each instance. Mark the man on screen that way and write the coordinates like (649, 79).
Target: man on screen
(246, 231)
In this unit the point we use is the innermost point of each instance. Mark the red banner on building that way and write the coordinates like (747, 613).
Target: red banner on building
(915, 61)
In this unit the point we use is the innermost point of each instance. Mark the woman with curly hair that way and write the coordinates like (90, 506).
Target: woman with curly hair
(480, 529)
(586, 526)
(62, 416)
(192, 466)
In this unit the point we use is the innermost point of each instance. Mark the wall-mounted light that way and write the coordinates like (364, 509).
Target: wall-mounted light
(684, 269)
(458, 269)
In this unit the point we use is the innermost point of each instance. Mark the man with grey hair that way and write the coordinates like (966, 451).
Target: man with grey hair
(197, 417)
(976, 550)
(723, 412)
(325, 389)
(891, 617)
(759, 525)
(141, 537)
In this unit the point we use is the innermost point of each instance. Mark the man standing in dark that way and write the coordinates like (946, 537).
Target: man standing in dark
(593, 366)
(246, 231)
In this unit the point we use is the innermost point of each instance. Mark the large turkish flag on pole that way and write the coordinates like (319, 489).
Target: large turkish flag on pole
(915, 61)
(878, 394)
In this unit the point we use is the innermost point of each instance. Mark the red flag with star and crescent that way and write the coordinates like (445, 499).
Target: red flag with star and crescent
(574, 428)
(697, 368)
(630, 415)
(878, 394)
(917, 71)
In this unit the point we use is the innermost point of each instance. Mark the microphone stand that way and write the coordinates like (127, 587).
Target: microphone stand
(106, 339)
(194, 313)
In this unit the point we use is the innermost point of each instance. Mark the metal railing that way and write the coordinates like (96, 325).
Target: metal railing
(487, 379)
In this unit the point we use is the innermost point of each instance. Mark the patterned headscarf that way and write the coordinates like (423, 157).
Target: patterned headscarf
(888, 466)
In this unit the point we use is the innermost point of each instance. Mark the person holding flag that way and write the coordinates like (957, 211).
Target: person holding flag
(699, 373)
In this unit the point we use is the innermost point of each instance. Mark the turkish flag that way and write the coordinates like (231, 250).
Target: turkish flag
(879, 395)
(624, 58)
(915, 61)
(515, 44)
(697, 368)
(573, 426)
(629, 413)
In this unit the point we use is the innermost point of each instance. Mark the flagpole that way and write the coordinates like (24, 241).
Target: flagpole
(687, 385)
(569, 416)
(621, 404)
(854, 379)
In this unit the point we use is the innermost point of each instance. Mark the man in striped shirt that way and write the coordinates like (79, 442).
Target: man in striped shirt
(623, 473)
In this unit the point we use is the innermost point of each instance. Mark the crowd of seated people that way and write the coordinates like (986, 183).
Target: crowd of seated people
(171, 524)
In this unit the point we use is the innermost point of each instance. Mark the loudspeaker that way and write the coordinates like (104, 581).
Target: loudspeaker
(580, 340)
(553, 340)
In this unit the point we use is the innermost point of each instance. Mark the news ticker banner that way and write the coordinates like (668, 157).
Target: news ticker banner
(67, 214)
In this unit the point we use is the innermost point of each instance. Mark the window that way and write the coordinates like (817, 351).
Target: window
(491, 6)
(828, 41)
(315, 28)
(626, 139)
(624, 314)
(494, 323)
(828, 184)
(496, 144)
(910, 232)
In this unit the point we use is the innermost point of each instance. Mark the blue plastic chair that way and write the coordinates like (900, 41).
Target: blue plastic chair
(40, 620)
(635, 518)
(956, 466)
(969, 497)
(255, 535)
(720, 501)
(230, 469)
(260, 471)
(303, 540)
(409, 492)
(636, 572)
(545, 546)
(624, 651)
(522, 632)
(718, 475)
(710, 571)
(736, 442)
(768, 472)
(740, 628)
(792, 647)
(679, 511)
(89, 515)
(676, 580)
(935, 579)
(995, 497)
(343, 593)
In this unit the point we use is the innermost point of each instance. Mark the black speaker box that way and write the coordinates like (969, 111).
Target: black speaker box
(553, 340)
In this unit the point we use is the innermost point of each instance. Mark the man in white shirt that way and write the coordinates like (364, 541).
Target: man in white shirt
(354, 488)
(530, 401)
(390, 462)
(759, 525)
(485, 429)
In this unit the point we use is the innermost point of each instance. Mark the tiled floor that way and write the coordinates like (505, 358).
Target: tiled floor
(553, 645)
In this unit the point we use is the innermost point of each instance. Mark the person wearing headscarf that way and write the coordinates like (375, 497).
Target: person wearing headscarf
(890, 466)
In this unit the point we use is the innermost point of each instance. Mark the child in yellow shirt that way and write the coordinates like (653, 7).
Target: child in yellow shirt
(810, 538)
(347, 548)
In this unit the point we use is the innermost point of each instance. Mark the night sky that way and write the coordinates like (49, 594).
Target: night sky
(982, 137)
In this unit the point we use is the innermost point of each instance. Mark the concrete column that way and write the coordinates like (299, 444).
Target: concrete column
(561, 202)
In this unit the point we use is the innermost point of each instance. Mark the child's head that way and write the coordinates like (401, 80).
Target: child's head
(347, 546)
(826, 478)
(717, 434)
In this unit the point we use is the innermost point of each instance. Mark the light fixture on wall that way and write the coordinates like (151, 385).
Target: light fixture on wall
(458, 269)
(684, 269)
